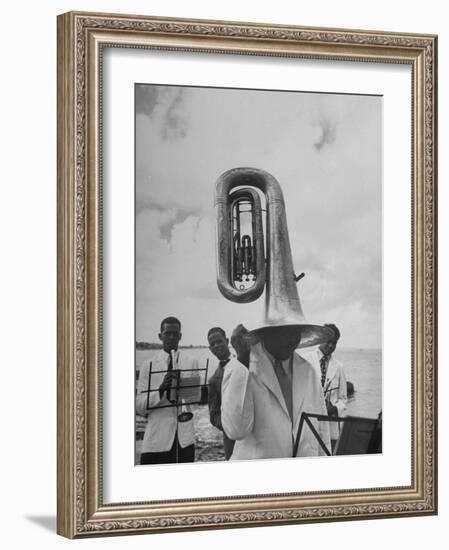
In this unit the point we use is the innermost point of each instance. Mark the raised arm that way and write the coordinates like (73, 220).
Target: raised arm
(237, 404)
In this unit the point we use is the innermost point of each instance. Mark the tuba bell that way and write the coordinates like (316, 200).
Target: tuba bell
(247, 263)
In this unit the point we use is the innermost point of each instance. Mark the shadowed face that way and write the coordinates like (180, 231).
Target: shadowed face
(219, 345)
(170, 336)
(328, 347)
(281, 342)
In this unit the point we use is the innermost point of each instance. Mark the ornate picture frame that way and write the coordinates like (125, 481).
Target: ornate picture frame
(82, 40)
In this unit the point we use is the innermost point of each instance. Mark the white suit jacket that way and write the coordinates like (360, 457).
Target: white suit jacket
(254, 413)
(335, 388)
(162, 422)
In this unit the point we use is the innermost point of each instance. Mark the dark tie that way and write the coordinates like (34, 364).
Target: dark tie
(170, 394)
(224, 362)
(285, 384)
(323, 364)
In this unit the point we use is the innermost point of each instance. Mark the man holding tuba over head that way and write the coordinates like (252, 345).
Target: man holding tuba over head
(268, 386)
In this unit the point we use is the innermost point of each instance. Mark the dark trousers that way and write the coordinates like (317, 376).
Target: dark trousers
(185, 454)
(228, 445)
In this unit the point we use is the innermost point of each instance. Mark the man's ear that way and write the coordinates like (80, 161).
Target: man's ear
(180, 335)
(227, 341)
(160, 336)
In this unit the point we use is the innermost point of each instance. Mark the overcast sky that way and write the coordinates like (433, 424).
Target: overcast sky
(324, 150)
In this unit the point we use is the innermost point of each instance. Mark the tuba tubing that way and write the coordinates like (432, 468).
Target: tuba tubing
(282, 305)
(226, 249)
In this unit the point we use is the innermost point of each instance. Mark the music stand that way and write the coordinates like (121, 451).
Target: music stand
(179, 390)
(358, 435)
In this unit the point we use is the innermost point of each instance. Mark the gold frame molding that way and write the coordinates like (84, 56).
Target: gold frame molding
(81, 37)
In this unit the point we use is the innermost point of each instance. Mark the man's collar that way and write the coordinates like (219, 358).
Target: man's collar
(268, 354)
(322, 354)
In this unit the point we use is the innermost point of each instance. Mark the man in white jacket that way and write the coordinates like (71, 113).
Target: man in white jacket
(333, 381)
(166, 439)
(265, 391)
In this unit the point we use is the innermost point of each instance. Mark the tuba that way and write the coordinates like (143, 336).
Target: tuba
(246, 263)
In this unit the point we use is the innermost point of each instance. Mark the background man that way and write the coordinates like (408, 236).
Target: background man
(165, 439)
(265, 390)
(333, 381)
(219, 346)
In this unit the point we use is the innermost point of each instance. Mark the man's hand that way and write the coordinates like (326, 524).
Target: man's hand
(167, 382)
(241, 344)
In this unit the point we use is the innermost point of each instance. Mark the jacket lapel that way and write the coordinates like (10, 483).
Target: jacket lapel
(298, 386)
(262, 367)
(162, 359)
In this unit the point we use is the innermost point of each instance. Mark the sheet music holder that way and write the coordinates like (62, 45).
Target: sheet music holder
(187, 391)
(358, 435)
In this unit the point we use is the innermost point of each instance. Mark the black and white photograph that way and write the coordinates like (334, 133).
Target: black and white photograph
(258, 274)
(247, 282)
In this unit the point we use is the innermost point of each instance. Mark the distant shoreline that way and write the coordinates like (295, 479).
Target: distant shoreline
(144, 346)
(154, 345)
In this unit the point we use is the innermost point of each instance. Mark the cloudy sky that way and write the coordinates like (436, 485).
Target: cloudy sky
(324, 150)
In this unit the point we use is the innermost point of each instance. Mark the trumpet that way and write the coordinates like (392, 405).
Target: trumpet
(247, 263)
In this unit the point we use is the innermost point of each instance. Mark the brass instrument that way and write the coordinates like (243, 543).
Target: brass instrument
(245, 263)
